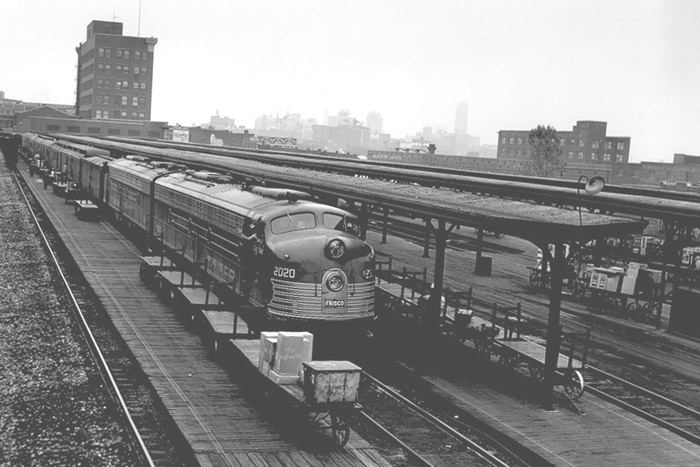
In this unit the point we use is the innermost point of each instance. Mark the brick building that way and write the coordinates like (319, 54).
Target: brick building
(586, 144)
(115, 74)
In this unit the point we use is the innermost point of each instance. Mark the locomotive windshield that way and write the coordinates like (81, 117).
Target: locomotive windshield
(335, 221)
(293, 222)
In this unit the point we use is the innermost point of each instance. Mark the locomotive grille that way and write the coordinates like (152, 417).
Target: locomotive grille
(298, 300)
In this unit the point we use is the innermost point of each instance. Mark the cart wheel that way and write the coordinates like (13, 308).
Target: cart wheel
(340, 429)
(536, 373)
(574, 385)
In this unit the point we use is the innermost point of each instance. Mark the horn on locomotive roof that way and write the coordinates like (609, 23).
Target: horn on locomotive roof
(136, 158)
(281, 193)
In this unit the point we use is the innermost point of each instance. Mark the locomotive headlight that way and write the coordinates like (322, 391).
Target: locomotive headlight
(336, 249)
(335, 282)
(368, 274)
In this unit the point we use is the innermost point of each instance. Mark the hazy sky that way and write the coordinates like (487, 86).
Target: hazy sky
(519, 63)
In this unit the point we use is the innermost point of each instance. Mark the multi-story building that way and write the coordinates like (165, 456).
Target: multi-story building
(587, 144)
(115, 74)
(375, 122)
(462, 118)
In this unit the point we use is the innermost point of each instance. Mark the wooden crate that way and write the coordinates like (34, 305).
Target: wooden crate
(331, 382)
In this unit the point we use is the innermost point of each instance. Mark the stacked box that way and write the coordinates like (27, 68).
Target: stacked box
(268, 348)
(331, 381)
(293, 349)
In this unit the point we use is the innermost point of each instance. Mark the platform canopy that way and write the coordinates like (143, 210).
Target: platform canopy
(538, 223)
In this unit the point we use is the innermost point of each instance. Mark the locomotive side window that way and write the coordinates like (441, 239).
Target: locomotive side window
(292, 222)
(335, 221)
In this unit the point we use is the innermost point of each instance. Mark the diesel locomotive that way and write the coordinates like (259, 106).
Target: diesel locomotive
(300, 263)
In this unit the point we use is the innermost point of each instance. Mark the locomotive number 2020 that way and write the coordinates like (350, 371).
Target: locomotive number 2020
(285, 273)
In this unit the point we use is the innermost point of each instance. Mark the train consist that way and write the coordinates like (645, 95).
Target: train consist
(297, 263)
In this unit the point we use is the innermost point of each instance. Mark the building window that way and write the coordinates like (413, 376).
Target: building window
(580, 143)
(563, 141)
(98, 114)
(101, 52)
(520, 141)
(134, 114)
(608, 145)
(143, 70)
(108, 67)
(137, 70)
(108, 83)
(93, 130)
(144, 55)
(596, 144)
(120, 53)
(620, 146)
(512, 141)
(571, 154)
(503, 140)
(143, 86)
(136, 84)
(636, 174)
(573, 141)
(606, 157)
(118, 85)
(53, 127)
(125, 101)
(119, 68)
(580, 155)
(142, 101)
(124, 114)
(108, 53)
(142, 115)
(621, 172)
(620, 158)
(125, 84)
(126, 54)
(137, 55)
(100, 83)
(134, 101)
(100, 66)
(126, 68)
(117, 99)
(594, 156)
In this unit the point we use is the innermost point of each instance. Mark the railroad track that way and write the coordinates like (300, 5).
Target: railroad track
(145, 424)
(429, 440)
(660, 410)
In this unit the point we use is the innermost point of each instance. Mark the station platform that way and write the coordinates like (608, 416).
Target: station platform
(600, 434)
(223, 428)
(205, 399)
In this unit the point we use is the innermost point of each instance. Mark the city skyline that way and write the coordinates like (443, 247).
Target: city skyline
(634, 65)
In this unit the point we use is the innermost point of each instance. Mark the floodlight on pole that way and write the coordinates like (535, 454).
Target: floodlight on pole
(594, 185)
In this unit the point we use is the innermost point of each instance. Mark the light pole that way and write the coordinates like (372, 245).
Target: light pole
(594, 185)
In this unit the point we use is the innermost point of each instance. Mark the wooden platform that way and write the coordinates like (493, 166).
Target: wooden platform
(206, 401)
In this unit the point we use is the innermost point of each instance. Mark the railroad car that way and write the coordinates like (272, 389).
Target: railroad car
(91, 177)
(301, 262)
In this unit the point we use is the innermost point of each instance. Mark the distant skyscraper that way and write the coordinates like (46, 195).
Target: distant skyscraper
(115, 74)
(461, 118)
(375, 122)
